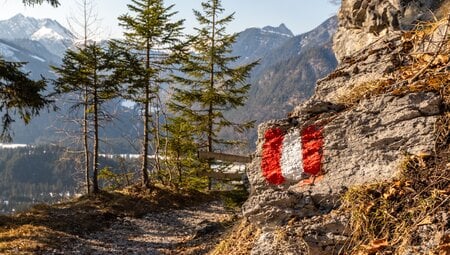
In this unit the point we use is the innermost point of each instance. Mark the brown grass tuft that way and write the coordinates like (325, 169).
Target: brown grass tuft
(385, 216)
(239, 241)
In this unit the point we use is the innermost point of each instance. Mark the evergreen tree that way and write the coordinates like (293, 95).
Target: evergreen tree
(18, 95)
(153, 38)
(181, 161)
(211, 85)
(90, 70)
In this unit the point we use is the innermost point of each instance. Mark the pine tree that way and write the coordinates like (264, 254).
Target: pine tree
(18, 95)
(211, 85)
(89, 70)
(152, 37)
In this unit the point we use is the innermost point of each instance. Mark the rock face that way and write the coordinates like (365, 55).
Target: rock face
(304, 164)
(363, 22)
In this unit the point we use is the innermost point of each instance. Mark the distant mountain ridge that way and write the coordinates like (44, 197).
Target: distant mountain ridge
(254, 43)
(52, 35)
(37, 57)
(280, 30)
(288, 71)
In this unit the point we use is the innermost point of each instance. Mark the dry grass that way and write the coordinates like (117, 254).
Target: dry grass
(425, 66)
(47, 227)
(363, 90)
(239, 240)
(385, 216)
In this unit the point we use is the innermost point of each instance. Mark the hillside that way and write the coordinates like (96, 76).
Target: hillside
(363, 166)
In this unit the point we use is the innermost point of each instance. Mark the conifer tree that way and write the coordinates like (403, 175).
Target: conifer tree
(153, 38)
(211, 84)
(90, 70)
(181, 155)
(18, 96)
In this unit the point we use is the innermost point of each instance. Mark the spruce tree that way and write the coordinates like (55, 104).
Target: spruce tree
(89, 70)
(212, 84)
(153, 38)
(181, 161)
(84, 25)
(19, 96)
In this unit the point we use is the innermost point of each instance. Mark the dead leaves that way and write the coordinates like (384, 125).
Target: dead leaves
(373, 247)
(444, 246)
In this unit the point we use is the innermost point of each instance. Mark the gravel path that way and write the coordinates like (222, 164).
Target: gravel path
(193, 230)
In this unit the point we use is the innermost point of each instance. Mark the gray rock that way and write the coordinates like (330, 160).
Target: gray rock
(362, 22)
(362, 143)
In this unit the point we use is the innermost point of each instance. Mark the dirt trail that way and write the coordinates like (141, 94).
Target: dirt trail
(192, 230)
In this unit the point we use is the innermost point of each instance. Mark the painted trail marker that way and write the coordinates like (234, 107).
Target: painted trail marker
(292, 156)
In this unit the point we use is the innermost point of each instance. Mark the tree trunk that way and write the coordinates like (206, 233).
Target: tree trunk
(86, 141)
(211, 84)
(145, 142)
(96, 140)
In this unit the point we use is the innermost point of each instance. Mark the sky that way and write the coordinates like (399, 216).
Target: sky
(298, 15)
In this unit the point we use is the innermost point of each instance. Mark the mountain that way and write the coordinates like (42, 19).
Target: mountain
(38, 42)
(41, 43)
(288, 71)
(254, 43)
(37, 57)
(289, 65)
(52, 35)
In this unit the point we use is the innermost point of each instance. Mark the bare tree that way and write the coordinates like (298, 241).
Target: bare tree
(84, 24)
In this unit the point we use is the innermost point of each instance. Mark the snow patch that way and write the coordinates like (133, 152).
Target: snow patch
(38, 58)
(277, 33)
(47, 34)
(12, 145)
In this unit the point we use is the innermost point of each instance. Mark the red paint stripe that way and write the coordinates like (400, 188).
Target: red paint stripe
(271, 156)
(312, 144)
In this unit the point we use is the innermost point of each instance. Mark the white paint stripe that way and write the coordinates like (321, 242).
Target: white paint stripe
(291, 157)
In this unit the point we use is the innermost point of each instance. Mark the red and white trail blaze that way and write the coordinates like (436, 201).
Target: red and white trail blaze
(292, 156)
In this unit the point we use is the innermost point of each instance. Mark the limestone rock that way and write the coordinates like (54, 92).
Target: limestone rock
(363, 22)
(361, 142)
(364, 144)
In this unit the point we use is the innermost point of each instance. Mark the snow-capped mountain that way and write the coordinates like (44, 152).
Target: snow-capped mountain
(52, 35)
